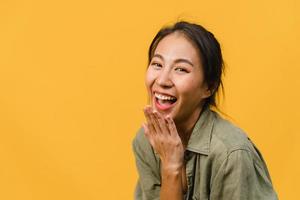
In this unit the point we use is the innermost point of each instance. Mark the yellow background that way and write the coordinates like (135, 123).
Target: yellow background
(72, 89)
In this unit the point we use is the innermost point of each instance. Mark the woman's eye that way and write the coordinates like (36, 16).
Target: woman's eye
(180, 69)
(156, 65)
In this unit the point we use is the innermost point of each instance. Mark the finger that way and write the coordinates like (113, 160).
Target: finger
(146, 129)
(162, 123)
(172, 127)
(154, 120)
(148, 134)
(149, 121)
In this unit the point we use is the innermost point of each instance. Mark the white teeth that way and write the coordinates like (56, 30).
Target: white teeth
(163, 97)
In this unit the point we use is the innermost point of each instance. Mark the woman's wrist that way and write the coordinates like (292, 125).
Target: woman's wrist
(171, 169)
(171, 182)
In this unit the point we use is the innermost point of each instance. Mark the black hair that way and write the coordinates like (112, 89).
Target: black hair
(209, 50)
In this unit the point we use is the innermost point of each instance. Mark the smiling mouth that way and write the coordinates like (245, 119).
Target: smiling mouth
(164, 102)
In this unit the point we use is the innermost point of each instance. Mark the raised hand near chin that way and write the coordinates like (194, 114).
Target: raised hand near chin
(163, 136)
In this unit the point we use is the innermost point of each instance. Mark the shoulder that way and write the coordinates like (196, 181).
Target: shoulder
(228, 141)
(140, 141)
(227, 136)
(142, 147)
(238, 168)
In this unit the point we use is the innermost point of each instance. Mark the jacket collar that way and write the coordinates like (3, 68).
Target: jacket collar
(199, 141)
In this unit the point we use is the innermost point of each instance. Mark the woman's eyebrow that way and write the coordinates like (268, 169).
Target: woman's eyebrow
(158, 55)
(185, 61)
(176, 61)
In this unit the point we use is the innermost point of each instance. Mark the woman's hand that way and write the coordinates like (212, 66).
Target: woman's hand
(163, 136)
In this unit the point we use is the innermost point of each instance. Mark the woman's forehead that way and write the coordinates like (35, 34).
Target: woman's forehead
(176, 45)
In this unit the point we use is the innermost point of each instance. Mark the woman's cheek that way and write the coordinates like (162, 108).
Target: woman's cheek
(150, 77)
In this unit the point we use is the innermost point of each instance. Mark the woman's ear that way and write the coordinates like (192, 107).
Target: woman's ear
(207, 92)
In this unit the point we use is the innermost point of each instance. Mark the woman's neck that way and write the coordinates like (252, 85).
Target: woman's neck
(186, 127)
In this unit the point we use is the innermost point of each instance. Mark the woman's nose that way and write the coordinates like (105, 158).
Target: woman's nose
(164, 79)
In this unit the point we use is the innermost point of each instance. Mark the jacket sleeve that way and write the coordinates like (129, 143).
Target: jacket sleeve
(242, 176)
(147, 163)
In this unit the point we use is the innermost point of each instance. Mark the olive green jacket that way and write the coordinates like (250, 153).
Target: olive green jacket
(221, 164)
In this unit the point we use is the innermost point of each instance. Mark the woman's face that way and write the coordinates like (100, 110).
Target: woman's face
(174, 79)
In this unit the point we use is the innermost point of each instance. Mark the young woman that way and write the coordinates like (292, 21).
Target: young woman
(186, 150)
